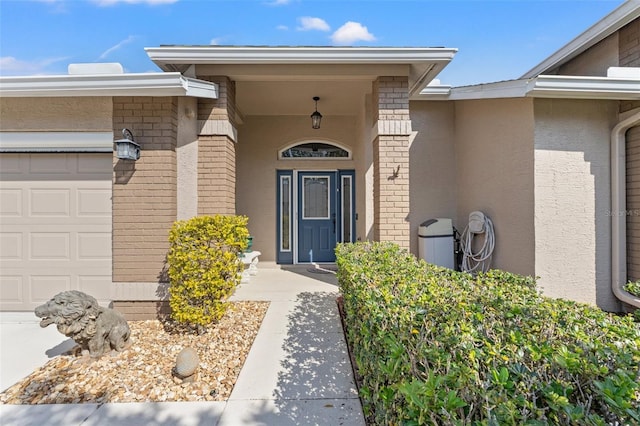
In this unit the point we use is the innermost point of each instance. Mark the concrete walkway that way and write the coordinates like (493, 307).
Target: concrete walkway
(297, 372)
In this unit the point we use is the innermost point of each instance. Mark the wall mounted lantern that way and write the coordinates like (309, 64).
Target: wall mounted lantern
(126, 148)
(316, 117)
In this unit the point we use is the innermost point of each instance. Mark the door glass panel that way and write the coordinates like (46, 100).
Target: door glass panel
(346, 209)
(315, 197)
(285, 215)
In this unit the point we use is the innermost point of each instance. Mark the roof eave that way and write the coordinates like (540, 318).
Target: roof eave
(551, 86)
(163, 56)
(425, 62)
(144, 84)
(546, 86)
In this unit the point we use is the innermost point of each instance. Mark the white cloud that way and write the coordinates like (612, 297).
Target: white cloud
(112, 49)
(352, 32)
(279, 2)
(149, 2)
(10, 65)
(282, 28)
(216, 40)
(308, 23)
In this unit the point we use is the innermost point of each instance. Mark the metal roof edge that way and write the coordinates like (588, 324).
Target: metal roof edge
(142, 84)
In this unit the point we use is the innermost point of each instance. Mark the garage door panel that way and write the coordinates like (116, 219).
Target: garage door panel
(49, 202)
(94, 245)
(94, 202)
(10, 202)
(11, 246)
(92, 165)
(55, 227)
(12, 289)
(12, 165)
(43, 287)
(49, 245)
(60, 164)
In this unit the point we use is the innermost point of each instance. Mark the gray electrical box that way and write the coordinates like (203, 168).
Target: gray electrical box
(436, 241)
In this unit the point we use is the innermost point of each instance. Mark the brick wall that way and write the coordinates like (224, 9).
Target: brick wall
(629, 40)
(633, 203)
(216, 150)
(216, 175)
(391, 160)
(629, 48)
(142, 310)
(144, 191)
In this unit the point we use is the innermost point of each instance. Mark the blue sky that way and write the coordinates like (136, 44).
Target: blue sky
(497, 40)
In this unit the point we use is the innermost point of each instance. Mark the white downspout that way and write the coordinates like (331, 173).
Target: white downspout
(619, 207)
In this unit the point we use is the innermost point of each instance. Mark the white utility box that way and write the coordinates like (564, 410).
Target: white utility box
(435, 242)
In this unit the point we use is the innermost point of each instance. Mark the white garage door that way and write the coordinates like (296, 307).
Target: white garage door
(55, 227)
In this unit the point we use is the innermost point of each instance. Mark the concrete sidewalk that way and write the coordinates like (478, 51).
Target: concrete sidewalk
(297, 372)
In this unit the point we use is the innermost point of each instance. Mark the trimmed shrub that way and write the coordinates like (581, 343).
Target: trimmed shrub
(435, 346)
(633, 288)
(204, 266)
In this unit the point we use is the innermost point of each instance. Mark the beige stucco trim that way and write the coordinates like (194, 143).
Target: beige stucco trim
(187, 159)
(218, 128)
(391, 128)
(618, 208)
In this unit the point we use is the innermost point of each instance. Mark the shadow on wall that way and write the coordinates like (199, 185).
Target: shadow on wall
(124, 171)
(315, 383)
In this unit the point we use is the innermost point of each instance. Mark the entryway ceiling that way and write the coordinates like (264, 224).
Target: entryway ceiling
(296, 97)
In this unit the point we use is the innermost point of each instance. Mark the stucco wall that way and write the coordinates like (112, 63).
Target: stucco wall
(363, 158)
(187, 158)
(56, 114)
(572, 199)
(432, 183)
(494, 160)
(259, 139)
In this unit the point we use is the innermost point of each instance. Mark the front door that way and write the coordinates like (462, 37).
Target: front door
(317, 221)
(315, 212)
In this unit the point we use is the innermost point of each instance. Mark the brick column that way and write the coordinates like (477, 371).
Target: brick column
(217, 151)
(144, 191)
(392, 127)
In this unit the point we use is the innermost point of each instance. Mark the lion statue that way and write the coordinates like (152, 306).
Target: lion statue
(92, 327)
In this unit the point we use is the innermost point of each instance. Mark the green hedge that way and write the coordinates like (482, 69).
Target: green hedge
(204, 266)
(434, 346)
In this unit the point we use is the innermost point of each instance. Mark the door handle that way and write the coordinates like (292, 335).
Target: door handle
(333, 219)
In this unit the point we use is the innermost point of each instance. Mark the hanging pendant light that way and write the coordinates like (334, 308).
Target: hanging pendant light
(316, 117)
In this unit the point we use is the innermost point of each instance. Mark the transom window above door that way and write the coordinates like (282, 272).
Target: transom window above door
(314, 150)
